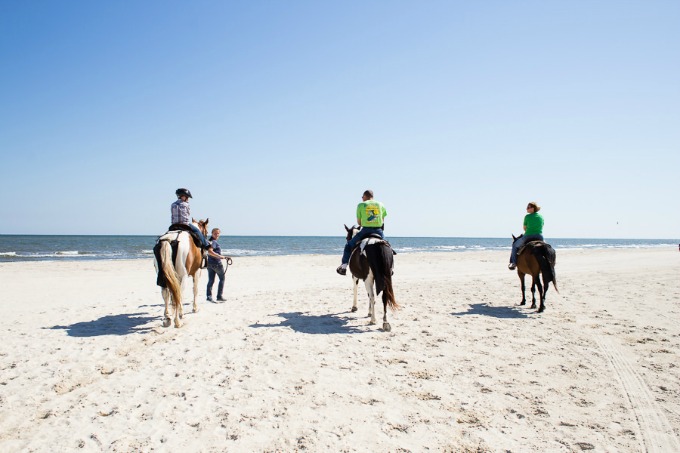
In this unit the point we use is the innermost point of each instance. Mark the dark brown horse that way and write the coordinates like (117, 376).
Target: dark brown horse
(536, 258)
(373, 262)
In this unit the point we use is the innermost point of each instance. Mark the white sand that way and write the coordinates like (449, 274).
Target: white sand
(284, 365)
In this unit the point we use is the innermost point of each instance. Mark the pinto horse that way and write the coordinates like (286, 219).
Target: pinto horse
(536, 258)
(372, 261)
(178, 257)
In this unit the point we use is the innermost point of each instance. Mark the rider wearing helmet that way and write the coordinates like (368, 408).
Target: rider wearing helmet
(181, 214)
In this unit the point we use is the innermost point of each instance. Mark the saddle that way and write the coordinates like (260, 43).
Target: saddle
(532, 243)
(187, 228)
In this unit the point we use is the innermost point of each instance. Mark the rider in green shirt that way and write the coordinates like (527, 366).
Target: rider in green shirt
(533, 231)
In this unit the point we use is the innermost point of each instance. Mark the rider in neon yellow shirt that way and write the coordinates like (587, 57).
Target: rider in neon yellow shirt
(371, 218)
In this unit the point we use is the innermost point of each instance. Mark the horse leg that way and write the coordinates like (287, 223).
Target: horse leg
(178, 314)
(541, 293)
(371, 298)
(166, 315)
(196, 276)
(386, 325)
(179, 306)
(521, 279)
(533, 292)
(355, 287)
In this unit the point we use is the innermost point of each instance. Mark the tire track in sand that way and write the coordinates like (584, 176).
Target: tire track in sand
(656, 433)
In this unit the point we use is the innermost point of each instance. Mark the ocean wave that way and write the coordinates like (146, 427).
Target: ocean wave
(8, 254)
(247, 252)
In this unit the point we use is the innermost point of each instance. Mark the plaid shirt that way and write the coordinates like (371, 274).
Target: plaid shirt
(181, 213)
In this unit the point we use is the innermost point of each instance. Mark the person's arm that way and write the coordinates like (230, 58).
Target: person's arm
(212, 253)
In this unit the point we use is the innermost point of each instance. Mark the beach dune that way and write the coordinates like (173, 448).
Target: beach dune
(284, 365)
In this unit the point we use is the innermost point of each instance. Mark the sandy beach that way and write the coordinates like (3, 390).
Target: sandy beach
(284, 365)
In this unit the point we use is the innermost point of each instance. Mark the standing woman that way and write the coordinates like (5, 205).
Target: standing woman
(533, 231)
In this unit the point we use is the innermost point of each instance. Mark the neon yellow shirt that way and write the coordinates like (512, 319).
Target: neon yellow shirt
(371, 214)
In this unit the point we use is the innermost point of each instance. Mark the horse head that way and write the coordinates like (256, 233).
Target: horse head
(351, 231)
(202, 225)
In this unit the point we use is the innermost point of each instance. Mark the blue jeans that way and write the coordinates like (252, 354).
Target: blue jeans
(215, 269)
(364, 232)
(204, 241)
(520, 242)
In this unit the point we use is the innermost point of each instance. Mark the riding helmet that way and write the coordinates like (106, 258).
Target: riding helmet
(182, 191)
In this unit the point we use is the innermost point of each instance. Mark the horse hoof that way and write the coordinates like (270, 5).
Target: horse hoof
(178, 325)
(522, 303)
(540, 310)
(371, 323)
(533, 306)
(387, 327)
(167, 322)
(354, 309)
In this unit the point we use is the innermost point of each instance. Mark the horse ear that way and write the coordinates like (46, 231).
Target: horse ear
(346, 227)
(514, 238)
(207, 220)
(193, 220)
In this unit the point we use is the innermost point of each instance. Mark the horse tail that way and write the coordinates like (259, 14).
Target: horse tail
(546, 259)
(167, 267)
(388, 265)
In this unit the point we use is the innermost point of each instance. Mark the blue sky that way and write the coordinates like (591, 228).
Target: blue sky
(277, 115)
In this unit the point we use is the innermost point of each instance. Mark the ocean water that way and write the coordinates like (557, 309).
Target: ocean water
(38, 247)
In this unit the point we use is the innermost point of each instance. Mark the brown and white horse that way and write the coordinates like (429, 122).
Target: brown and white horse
(373, 263)
(187, 263)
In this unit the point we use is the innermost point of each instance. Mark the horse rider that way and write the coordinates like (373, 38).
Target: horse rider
(181, 214)
(371, 218)
(533, 231)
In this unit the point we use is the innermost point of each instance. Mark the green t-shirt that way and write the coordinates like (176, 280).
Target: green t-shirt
(371, 213)
(534, 224)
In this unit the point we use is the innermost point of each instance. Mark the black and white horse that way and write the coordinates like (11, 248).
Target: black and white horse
(372, 261)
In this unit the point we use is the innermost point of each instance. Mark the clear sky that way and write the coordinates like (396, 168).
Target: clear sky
(278, 114)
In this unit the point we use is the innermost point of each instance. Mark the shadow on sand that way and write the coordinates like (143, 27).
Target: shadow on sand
(494, 312)
(124, 324)
(321, 324)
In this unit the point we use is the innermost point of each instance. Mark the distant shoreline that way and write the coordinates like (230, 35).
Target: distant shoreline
(30, 248)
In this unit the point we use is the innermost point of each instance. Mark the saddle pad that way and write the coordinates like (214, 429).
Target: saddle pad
(369, 241)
